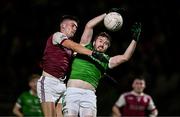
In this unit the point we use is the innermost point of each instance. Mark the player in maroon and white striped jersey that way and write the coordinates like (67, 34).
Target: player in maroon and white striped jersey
(56, 63)
(135, 103)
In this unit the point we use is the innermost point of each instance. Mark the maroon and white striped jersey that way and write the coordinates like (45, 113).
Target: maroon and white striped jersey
(132, 104)
(56, 58)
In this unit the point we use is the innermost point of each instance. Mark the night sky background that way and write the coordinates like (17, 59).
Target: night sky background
(26, 24)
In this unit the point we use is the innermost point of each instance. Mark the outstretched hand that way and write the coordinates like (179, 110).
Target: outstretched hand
(136, 31)
(100, 56)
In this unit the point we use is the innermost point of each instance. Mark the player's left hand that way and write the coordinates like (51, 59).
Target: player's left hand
(136, 31)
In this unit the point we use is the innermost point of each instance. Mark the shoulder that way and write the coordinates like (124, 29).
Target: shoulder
(147, 96)
(24, 94)
(59, 35)
(127, 93)
(124, 95)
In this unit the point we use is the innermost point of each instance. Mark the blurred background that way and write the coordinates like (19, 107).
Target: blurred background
(26, 24)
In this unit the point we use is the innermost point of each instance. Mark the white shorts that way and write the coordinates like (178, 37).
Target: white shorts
(50, 89)
(79, 101)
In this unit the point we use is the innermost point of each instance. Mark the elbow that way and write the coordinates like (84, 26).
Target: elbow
(125, 59)
(89, 25)
(113, 108)
(154, 113)
(115, 112)
(14, 111)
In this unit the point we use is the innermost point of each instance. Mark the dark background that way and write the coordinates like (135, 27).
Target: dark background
(26, 24)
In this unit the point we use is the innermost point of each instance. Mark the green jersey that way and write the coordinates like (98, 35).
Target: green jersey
(29, 104)
(87, 68)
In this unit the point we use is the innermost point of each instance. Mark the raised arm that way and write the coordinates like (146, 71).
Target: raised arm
(88, 31)
(76, 47)
(61, 39)
(118, 59)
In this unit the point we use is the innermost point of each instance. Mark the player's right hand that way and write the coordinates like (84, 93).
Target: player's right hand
(100, 56)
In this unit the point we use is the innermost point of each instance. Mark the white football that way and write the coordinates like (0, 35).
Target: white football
(113, 21)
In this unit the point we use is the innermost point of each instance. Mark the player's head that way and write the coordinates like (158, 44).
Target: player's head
(139, 84)
(102, 42)
(33, 81)
(68, 25)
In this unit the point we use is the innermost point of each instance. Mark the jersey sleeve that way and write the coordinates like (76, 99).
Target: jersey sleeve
(19, 101)
(121, 101)
(151, 105)
(58, 38)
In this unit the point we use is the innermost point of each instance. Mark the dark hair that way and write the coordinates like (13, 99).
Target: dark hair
(104, 34)
(71, 17)
(139, 78)
(33, 76)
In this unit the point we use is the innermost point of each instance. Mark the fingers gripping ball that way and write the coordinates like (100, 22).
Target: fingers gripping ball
(113, 21)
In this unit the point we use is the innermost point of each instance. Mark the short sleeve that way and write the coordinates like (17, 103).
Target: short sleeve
(151, 105)
(19, 101)
(121, 101)
(58, 38)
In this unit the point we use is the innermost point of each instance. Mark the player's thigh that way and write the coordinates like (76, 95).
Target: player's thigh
(49, 89)
(88, 109)
(88, 104)
(71, 107)
(71, 102)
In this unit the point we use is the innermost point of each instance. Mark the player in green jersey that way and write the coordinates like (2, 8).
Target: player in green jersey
(28, 103)
(80, 98)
